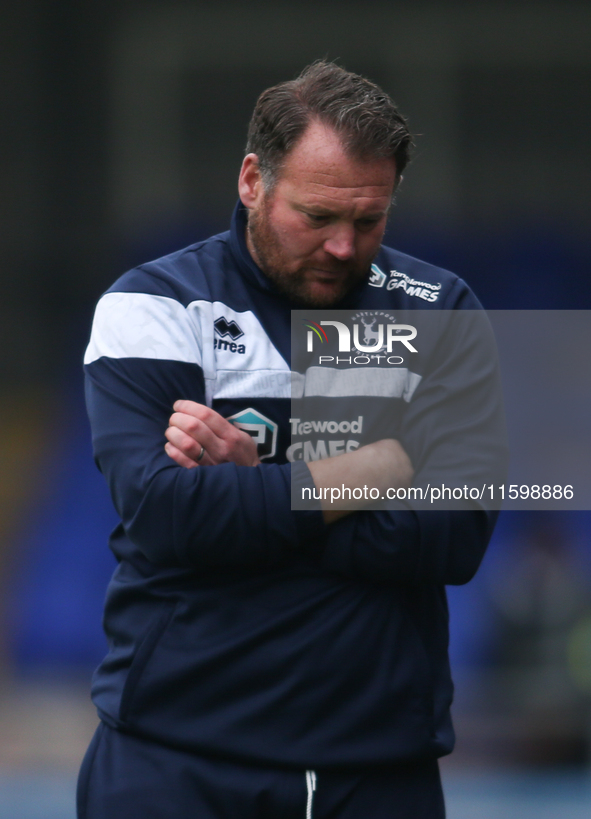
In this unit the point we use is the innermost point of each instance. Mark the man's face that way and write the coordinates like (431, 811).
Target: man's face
(316, 233)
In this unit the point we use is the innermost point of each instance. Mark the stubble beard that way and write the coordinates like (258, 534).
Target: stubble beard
(271, 258)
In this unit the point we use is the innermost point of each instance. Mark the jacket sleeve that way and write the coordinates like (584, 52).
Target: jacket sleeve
(226, 515)
(406, 546)
(453, 430)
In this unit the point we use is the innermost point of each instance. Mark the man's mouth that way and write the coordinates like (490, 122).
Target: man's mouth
(328, 274)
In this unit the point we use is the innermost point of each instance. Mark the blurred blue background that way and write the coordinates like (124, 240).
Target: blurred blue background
(124, 126)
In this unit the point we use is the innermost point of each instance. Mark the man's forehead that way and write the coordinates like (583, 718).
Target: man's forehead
(319, 161)
(319, 197)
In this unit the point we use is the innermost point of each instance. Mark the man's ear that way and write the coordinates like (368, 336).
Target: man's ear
(250, 183)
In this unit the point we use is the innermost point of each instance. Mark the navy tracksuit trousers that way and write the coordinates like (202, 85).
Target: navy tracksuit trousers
(126, 777)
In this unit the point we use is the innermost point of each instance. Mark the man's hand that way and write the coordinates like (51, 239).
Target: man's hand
(381, 465)
(193, 426)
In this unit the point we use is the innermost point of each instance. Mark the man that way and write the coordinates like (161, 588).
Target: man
(265, 661)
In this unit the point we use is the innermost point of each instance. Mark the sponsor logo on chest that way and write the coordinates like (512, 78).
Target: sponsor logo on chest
(315, 449)
(422, 290)
(259, 427)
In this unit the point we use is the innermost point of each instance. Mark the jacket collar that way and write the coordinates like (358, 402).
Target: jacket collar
(248, 267)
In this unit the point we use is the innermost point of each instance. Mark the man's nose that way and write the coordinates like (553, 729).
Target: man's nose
(341, 242)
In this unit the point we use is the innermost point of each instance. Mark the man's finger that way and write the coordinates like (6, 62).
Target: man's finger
(212, 419)
(197, 430)
(178, 456)
(189, 407)
(190, 447)
(222, 441)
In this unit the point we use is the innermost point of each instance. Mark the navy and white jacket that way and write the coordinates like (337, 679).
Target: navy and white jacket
(237, 626)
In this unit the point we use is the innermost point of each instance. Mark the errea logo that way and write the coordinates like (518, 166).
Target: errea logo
(229, 332)
(227, 328)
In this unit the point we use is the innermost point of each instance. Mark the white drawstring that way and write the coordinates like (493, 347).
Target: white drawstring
(311, 785)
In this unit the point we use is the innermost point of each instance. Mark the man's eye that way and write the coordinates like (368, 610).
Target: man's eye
(367, 224)
(316, 219)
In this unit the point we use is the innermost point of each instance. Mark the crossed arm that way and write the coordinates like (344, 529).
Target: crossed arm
(381, 464)
(234, 515)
